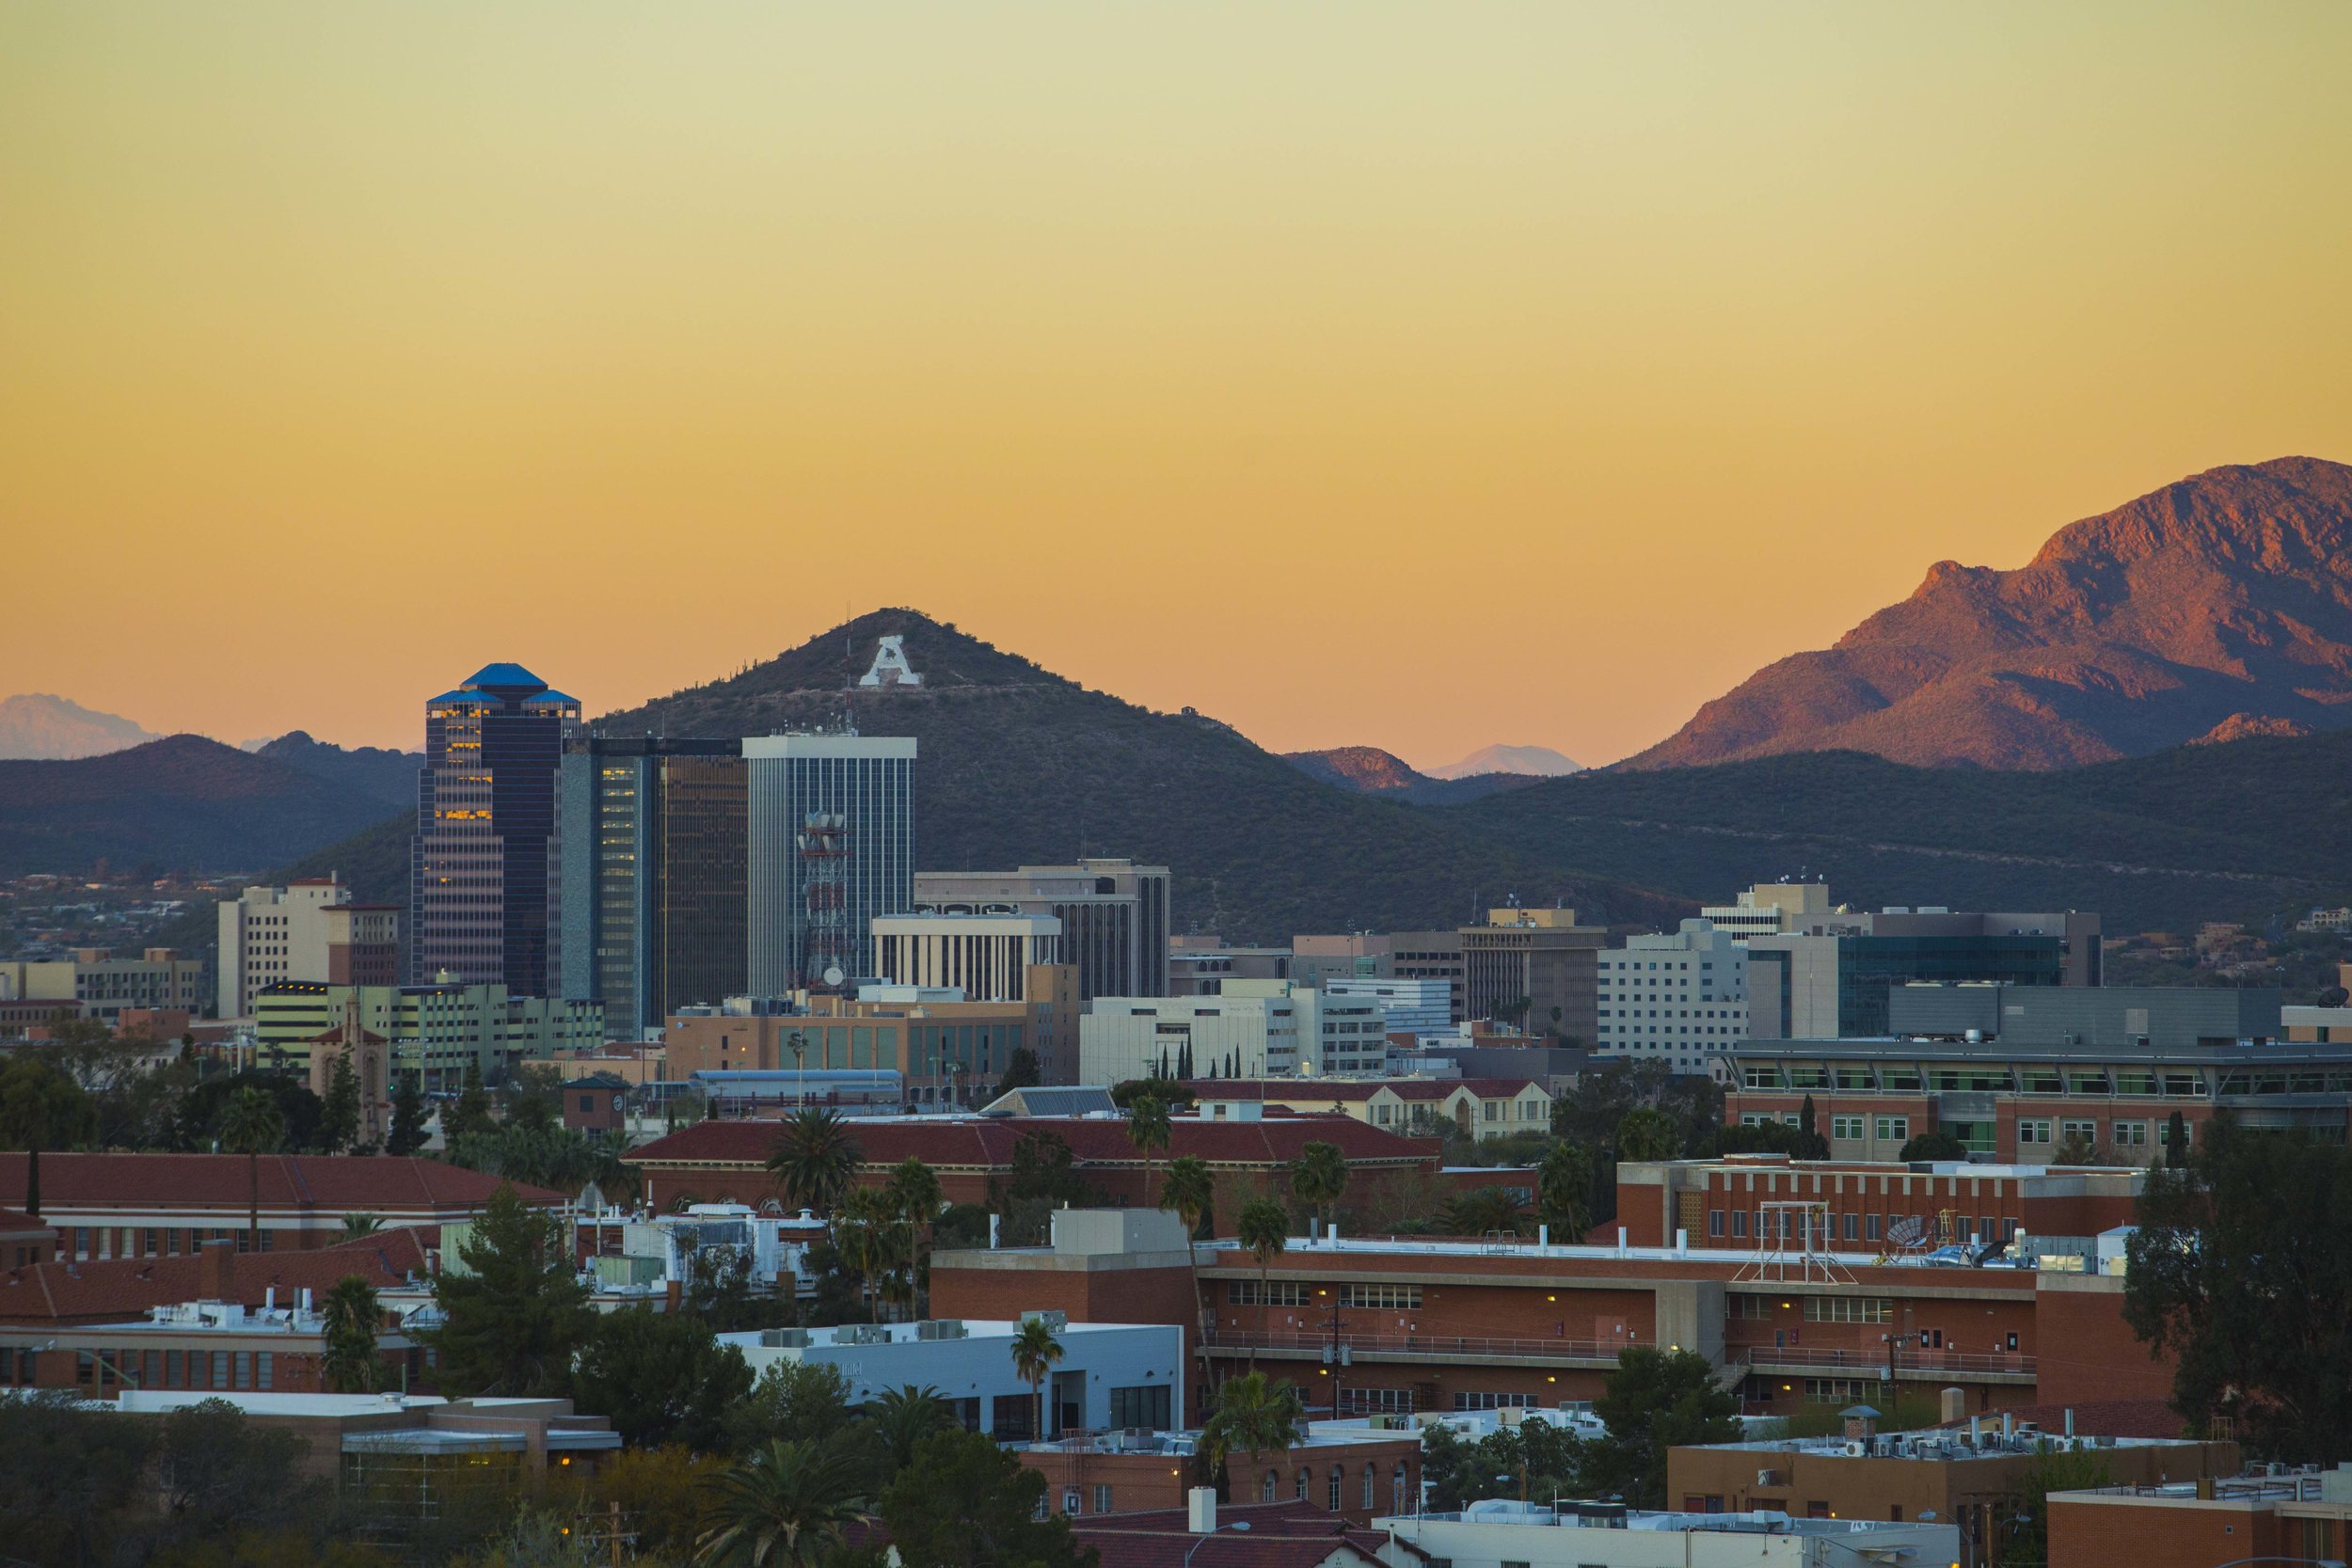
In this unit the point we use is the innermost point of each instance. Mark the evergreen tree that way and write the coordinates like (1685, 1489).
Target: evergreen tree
(471, 1114)
(514, 1311)
(407, 1133)
(339, 1127)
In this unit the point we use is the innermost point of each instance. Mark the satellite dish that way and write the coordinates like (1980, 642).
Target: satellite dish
(832, 975)
(1908, 1231)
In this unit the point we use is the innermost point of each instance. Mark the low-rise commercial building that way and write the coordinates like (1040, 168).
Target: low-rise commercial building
(988, 957)
(96, 984)
(1352, 1472)
(944, 1048)
(1112, 914)
(1418, 1107)
(1109, 1374)
(2302, 1515)
(1415, 1007)
(1505, 1532)
(433, 1033)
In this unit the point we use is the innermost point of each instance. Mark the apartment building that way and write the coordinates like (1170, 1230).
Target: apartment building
(1675, 999)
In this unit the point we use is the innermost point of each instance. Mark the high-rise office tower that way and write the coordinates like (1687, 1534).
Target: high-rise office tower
(831, 844)
(483, 873)
(1113, 914)
(654, 859)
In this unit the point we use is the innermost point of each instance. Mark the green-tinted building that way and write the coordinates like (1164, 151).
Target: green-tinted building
(437, 1031)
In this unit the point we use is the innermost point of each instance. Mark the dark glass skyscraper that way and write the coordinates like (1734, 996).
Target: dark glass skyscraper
(484, 885)
(654, 869)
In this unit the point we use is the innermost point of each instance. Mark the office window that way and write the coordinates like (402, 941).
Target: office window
(1848, 1309)
(1101, 1497)
(1854, 1224)
(1144, 1406)
(262, 1370)
(1894, 1129)
(1714, 1222)
(1740, 1222)
(2131, 1134)
(244, 1368)
(2087, 1130)
(1845, 1126)
(1331, 1496)
(220, 1367)
(171, 1370)
(2033, 1130)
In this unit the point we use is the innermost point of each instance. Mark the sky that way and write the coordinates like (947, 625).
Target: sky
(1420, 376)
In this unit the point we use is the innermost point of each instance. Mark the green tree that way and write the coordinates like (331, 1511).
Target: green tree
(1564, 1192)
(783, 1507)
(915, 1198)
(1655, 1400)
(252, 1126)
(1021, 1072)
(356, 1226)
(2241, 1270)
(1534, 1460)
(1035, 1352)
(338, 1121)
(407, 1133)
(217, 1472)
(1484, 1212)
(865, 1234)
(1149, 1129)
(662, 1492)
(1264, 1233)
(472, 1112)
(900, 1418)
(351, 1314)
(1648, 1134)
(1190, 1194)
(1933, 1146)
(1254, 1416)
(966, 1503)
(2175, 1141)
(1810, 1144)
(815, 1158)
(1319, 1176)
(793, 1402)
(661, 1377)
(515, 1311)
(70, 1477)
(40, 1108)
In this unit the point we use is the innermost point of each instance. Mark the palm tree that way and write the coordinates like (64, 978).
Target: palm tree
(903, 1417)
(1148, 1129)
(1319, 1176)
(914, 1195)
(252, 1126)
(356, 1226)
(783, 1507)
(860, 1225)
(1034, 1352)
(1647, 1134)
(815, 1159)
(1482, 1211)
(1564, 1190)
(351, 1313)
(1190, 1194)
(1265, 1230)
(1252, 1416)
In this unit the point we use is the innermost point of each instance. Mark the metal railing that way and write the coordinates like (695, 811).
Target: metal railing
(1874, 1363)
(1423, 1344)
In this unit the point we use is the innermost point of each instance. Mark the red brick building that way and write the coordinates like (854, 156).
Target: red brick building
(726, 1161)
(2305, 1517)
(1351, 1476)
(26, 1241)
(597, 1104)
(152, 1205)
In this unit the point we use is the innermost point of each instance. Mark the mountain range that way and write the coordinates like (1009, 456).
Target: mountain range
(2216, 607)
(40, 725)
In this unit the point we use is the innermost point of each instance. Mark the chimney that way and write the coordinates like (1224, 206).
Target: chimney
(1200, 1510)
(1952, 1404)
(216, 1271)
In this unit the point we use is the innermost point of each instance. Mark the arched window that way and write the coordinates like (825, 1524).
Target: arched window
(1397, 1486)
(1305, 1477)
(1372, 1475)
(1332, 1494)
(1266, 1493)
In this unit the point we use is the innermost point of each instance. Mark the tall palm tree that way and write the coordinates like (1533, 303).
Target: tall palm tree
(1564, 1190)
(1265, 1231)
(862, 1223)
(252, 1126)
(783, 1507)
(914, 1195)
(351, 1314)
(1034, 1352)
(1148, 1129)
(1483, 1212)
(903, 1417)
(1190, 1194)
(815, 1159)
(1252, 1416)
(1319, 1176)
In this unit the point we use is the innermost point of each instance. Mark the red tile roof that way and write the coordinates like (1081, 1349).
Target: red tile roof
(1404, 1089)
(13, 1223)
(329, 1184)
(122, 1288)
(987, 1143)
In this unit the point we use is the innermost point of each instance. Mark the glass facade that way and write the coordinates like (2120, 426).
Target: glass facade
(1867, 965)
(831, 835)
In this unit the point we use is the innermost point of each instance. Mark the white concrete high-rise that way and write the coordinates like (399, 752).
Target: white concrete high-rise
(1675, 999)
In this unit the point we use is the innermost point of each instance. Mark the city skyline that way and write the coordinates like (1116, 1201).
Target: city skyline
(1708, 334)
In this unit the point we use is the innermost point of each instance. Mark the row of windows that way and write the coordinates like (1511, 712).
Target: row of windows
(1467, 1399)
(1267, 1293)
(148, 1241)
(1395, 1298)
(171, 1368)
(1853, 1227)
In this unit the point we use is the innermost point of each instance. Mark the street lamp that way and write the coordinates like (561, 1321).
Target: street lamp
(1239, 1524)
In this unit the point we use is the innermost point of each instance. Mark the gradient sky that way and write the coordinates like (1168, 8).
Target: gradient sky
(1420, 376)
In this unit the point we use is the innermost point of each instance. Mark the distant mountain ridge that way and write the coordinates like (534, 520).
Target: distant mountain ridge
(1369, 770)
(1540, 761)
(44, 726)
(2222, 600)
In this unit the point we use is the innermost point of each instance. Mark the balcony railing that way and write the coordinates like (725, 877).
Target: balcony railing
(1423, 1345)
(1908, 1359)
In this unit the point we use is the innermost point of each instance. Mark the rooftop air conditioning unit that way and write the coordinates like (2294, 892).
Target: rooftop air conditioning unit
(784, 1338)
(941, 1329)
(1055, 1320)
(1857, 1448)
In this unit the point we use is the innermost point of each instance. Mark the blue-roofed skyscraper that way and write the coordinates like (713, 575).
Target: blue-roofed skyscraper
(484, 867)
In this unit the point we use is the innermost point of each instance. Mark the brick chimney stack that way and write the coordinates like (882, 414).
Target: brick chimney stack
(217, 1270)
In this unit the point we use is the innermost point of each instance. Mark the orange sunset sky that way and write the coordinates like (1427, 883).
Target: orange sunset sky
(1421, 376)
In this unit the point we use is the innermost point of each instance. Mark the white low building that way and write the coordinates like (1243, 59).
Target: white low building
(1505, 1531)
(1250, 1029)
(1109, 1374)
(1415, 1007)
